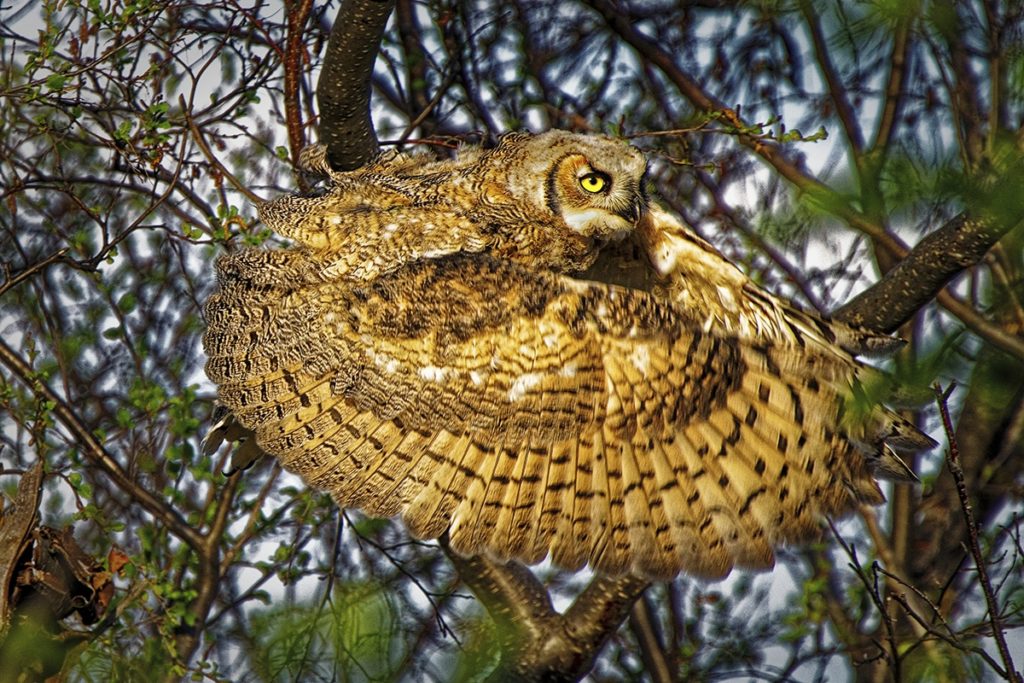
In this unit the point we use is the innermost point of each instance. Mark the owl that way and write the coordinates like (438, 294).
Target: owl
(441, 342)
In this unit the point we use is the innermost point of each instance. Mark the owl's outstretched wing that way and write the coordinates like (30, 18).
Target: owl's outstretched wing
(683, 269)
(528, 413)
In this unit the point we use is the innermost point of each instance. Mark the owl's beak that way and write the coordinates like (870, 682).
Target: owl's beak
(633, 210)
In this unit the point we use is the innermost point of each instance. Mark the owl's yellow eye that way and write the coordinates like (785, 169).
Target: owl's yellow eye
(594, 182)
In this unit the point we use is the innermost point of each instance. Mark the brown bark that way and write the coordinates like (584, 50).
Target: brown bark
(344, 87)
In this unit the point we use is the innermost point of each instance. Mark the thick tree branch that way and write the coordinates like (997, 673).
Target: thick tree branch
(343, 90)
(512, 595)
(538, 643)
(924, 271)
(603, 605)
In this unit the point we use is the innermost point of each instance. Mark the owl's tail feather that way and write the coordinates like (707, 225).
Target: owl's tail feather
(227, 429)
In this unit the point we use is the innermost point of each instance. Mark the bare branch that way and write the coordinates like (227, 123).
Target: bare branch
(895, 90)
(298, 15)
(953, 462)
(923, 272)
(652, 648)
(836, 88)
(344, 87)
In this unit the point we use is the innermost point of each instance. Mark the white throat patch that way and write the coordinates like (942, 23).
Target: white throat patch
(596, 222)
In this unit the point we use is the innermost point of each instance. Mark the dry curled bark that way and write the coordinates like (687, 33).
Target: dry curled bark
(16, 523)
(45, 578)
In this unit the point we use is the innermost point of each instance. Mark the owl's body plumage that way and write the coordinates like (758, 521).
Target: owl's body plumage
(425, 350)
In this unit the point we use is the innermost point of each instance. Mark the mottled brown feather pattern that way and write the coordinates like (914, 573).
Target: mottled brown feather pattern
(425, 350)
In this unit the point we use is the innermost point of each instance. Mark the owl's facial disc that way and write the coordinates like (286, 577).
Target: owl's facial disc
(593, 201)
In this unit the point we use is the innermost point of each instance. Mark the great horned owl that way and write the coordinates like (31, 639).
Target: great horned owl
(429, 348)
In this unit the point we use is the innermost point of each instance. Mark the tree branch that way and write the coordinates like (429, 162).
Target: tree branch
(976, 323)
(208, 576)
(343, 90)
(953, 462)
(603, 605)
(652, 648)
(298, 12)
(538, 643)
(836, 89)
(895, 89)
(517, 602)
(94, 450)
(923, 273)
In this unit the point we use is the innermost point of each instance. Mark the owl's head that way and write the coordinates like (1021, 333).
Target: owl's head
(595, 184)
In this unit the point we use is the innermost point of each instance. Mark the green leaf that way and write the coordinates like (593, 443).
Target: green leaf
(123, 133)
(56, 81)
(127, 303)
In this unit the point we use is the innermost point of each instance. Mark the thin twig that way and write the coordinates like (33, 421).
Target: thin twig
(297, 18)
(97, 454)
(12, 281)
(211, 158)
(953, 462)
(976, 323)
(928, 630)
(892, 652)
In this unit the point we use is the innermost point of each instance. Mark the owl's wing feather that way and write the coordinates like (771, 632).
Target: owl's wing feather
(530, 414)
(689, 270)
